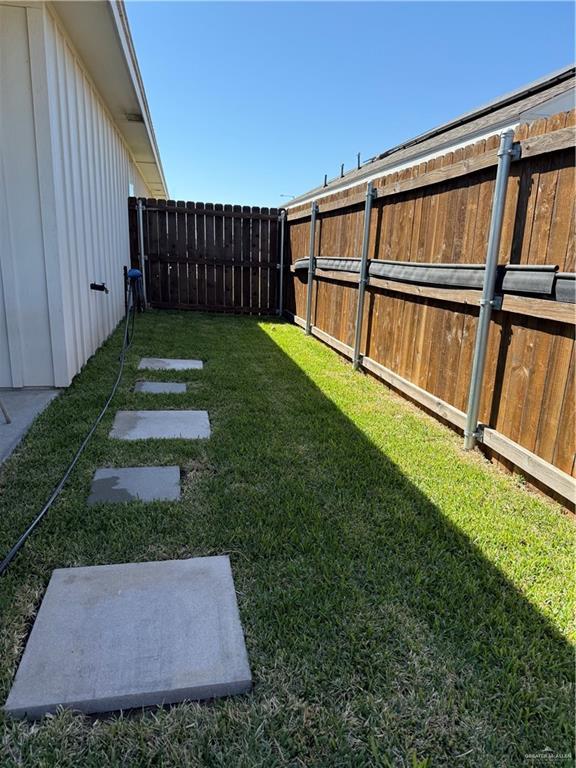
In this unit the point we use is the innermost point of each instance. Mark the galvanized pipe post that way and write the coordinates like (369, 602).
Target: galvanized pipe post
(370, 195)
(506, 153)
(141, 256)
(281, 281)
(311, 267)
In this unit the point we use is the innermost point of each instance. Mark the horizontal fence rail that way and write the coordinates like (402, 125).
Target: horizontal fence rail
(204, 256)
(424, 248)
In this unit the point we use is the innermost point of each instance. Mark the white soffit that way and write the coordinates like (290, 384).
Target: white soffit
(99, 31)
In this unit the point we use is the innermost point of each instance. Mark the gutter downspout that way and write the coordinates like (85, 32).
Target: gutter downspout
(370, 195)
(506, 153)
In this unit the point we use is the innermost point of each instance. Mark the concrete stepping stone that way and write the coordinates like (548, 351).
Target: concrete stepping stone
(112, 484)
(169, 364)
(112, 637)
(144, 425)
(160, 387)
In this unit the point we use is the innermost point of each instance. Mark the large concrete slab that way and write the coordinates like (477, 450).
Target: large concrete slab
(169, 364)
(113, 484)
(23, 405)
(144, 425)
(160, 387)
(113, 637)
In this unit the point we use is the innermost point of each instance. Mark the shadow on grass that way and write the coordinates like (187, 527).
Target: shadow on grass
(374, 626)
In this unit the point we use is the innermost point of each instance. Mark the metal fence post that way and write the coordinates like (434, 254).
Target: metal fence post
(506, 153)
(141, 249)
(311, 267)
(281, 281)
(125, 271)
(363, 279)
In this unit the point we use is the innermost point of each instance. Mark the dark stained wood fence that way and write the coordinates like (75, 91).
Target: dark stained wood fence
(205, 256)
(421, 339)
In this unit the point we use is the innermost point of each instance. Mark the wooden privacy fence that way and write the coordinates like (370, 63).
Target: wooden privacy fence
(218, 258)
(426, 239)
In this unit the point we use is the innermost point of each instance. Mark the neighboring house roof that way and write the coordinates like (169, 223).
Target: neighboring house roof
(546, 96)
(100, 33)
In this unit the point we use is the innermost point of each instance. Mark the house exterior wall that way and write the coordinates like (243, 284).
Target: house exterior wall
(24, 299)
(65, 177)
(92, 176)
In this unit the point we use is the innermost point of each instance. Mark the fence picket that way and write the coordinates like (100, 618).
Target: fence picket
(191, 267)
(237, 258)
(255, 261)
(210, 255)
(227, 256)
(219, 254)
(201, 250)
(246, 254)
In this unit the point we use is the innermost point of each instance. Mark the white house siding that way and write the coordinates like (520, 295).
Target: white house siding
(65, 176)
(25, 340)
(92, 176)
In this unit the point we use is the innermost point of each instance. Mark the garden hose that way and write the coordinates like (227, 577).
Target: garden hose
(126, 342)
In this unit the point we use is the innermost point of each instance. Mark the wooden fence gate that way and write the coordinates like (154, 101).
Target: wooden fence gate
(217, 258)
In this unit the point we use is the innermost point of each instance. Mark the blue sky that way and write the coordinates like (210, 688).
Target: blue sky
(251, 101)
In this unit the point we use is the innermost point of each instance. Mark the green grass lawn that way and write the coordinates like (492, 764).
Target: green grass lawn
(404, 603)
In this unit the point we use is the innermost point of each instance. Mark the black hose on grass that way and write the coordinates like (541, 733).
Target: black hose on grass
(126, 342)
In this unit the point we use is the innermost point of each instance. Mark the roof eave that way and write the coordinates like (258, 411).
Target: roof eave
(100, 34)
(125, 36)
